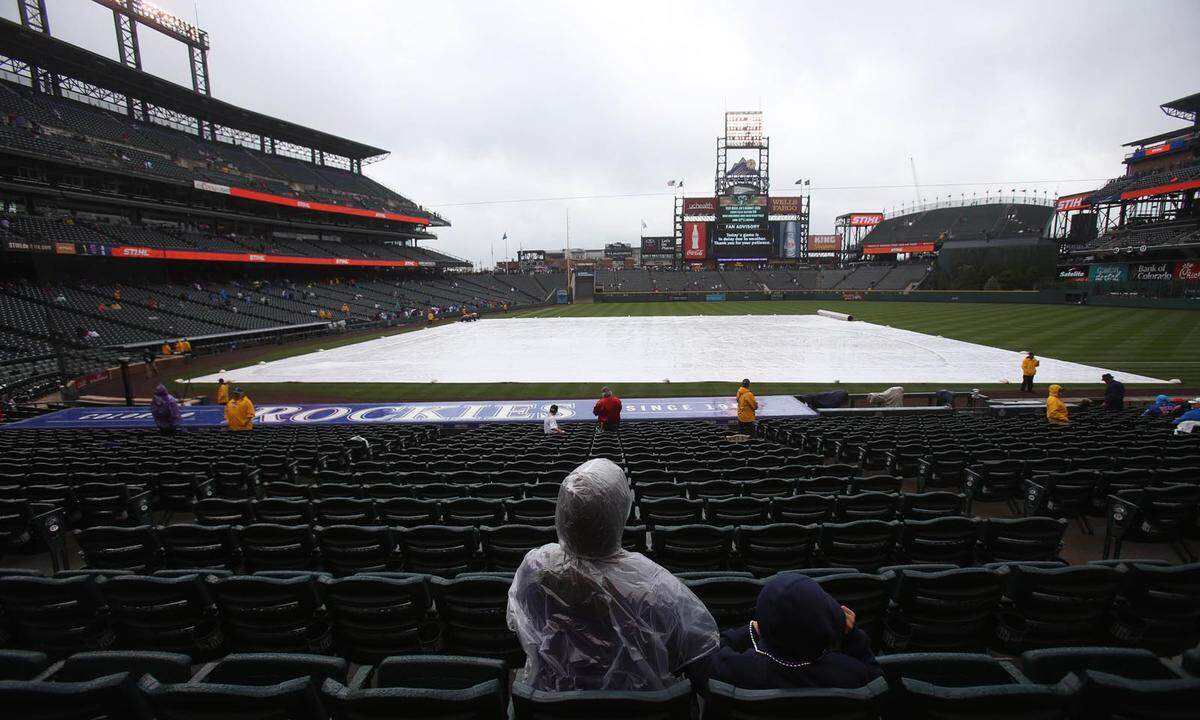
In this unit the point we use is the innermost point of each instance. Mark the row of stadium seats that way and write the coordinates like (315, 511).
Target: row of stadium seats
(1092, 682)
(407, 543)
(861, 277)
(1007, 607)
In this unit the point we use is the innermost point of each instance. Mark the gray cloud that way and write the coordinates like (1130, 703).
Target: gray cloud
(482, 102)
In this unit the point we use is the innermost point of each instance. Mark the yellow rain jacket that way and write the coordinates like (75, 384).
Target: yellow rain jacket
(223, 394)
(166, 349)
(1029, 366)
(239, 414)
(747, 404)
(1056, 410)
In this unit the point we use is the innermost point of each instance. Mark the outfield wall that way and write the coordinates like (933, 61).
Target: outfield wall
(970, 296)
(1052, 296)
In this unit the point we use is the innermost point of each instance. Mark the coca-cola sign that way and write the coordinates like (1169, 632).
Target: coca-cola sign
(1151, 271)
(1189, 271)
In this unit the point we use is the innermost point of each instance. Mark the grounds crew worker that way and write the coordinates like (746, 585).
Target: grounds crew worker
(747, 407)
(1056, 410)
(1029, 366)
(222, 392)
(239, 412)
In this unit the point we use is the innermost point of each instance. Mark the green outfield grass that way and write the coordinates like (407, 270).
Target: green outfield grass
(1157, 343)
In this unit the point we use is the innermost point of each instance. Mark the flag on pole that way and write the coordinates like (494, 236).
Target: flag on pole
(643, 224)
(670, 183)
(505, 236)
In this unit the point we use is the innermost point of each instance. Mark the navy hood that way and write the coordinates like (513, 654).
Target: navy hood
(798, 621)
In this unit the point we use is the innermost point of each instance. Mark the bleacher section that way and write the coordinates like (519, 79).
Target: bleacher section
(963, 222)
(63, 129)
(340, 545)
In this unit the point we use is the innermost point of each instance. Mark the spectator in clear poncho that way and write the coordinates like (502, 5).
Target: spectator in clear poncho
(593, 616)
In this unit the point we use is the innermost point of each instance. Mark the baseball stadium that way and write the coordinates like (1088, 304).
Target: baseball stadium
(266, 451)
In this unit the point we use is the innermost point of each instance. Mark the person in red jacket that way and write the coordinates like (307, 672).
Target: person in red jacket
(608, 410)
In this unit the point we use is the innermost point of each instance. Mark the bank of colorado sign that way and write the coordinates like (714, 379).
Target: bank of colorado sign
(453, 413)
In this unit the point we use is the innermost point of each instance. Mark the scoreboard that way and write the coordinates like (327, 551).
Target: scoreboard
(741, 228)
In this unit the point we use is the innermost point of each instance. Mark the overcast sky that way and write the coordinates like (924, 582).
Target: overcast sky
(486, 102)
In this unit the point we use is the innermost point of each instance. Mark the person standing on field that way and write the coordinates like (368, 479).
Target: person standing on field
(1029, 366)
(747, 409)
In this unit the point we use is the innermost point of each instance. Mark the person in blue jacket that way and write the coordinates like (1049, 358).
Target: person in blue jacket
(1193, 414)
(801, 638)
(1162, 407)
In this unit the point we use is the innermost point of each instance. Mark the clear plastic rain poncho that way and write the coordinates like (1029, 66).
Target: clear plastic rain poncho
(592, 616)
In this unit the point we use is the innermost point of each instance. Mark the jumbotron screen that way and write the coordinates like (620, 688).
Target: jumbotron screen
(742, 232)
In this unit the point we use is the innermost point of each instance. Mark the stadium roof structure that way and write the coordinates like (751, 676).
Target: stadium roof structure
(65, 59)
(1162, 137)
(1185, 108)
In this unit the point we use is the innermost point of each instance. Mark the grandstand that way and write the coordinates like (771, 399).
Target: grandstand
(1150, 212)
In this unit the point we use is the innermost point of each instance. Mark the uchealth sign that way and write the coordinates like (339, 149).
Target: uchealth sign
(452, 413)
(1108, 273)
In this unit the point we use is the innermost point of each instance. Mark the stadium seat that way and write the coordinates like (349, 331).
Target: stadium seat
(531, 511)
(1051, 665)
(504, 547)
(294, 700)
(726, 702)
(802, 509)
(439, 550)
(731, 600)
(408, 512)
(867, 505)
(223, 511)
(112, 697)
(1158, 607)
(947, 611)
(737, 511)
(267, 546)
(377, 616)
(914, 698)
(471, 613)
(940, 540)
(1049, 607)
(58, 616)
(168, 614)
(670, 511)
(1110, 696)
(348, 549)
(864, 545)
(867, 595)
(1154, 514)
(692, 547)
(1021, 539)
(263, 669)
(933, 504)
(768, 549)
(187, 545)
(672, 703)
(86, 666)
(265, 614)
(21, 664)
(120, 548)
(283, 510)
(949, 669)
(345, 511)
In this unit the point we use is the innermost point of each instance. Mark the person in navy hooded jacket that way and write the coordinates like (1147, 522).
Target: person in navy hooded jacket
(802, 638)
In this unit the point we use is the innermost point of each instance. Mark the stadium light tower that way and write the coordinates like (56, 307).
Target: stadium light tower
(128, 14)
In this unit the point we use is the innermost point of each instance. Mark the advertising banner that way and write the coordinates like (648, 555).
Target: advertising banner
(1073, 273)
(1115, 273)
(658, 245)
(465, 413)
(1151, 272)
(700, 206)
(145, 253)
(902, 248)
(787, 239)
(305, 204)
(1067, 203)
(1187, 271)
(865, 219)
(824, 243)
(618, 251)
(783, 206)
(19, 245)
(695, 240)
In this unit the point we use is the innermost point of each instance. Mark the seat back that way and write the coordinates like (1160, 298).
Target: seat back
(726, 702)
(731, 600)
(376, 616)
(672, 703)
(112, 697)
(291, 700)
(768, 549)
(172, 614)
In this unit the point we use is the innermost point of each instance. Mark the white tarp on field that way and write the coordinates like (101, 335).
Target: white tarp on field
(765, 348)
